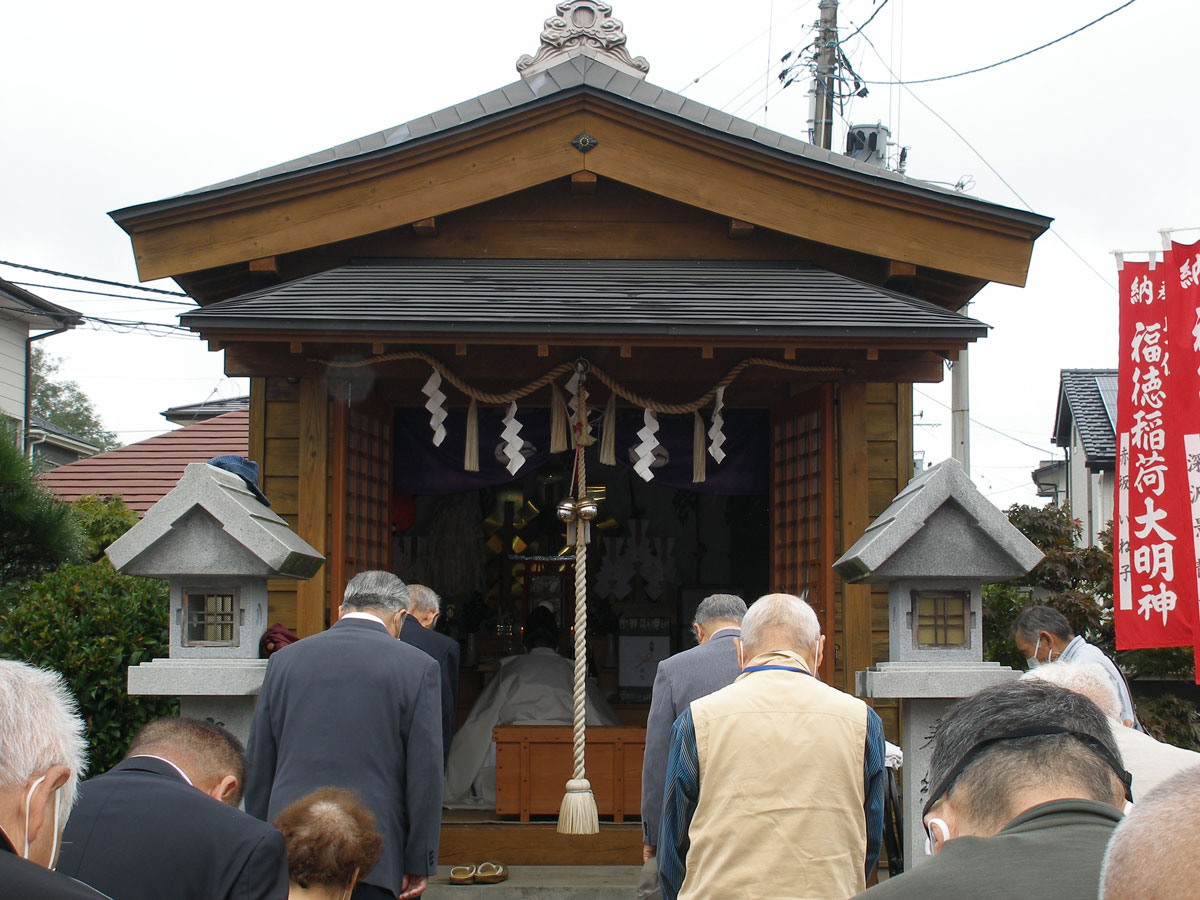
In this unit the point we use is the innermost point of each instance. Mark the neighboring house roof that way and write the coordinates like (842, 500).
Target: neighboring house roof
(198, 412)
(21, 304)
(588, 296)
(1087, 398)
(40, 431)
(143, 473)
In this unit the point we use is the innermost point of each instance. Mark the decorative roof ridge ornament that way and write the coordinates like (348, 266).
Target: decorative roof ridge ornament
(583, 28)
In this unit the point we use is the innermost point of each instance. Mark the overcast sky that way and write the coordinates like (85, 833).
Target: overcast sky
(109, 105)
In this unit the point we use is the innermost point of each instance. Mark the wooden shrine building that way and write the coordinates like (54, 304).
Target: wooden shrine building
(583, 213)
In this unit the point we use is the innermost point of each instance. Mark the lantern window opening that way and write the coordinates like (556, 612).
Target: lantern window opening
(211, 618)
(942, 618)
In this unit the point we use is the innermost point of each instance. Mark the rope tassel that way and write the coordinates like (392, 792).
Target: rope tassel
(471, 447)
(559, 436)
(608, 433)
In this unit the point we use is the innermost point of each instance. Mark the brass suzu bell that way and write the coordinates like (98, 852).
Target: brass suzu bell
(566, 510)
(587, 509)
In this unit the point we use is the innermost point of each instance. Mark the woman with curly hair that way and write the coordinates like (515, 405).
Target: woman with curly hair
(331, 840)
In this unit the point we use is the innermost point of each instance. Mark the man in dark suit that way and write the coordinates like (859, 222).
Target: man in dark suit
(163, 823)
(42, 753)
(354, 707)
(680, 679)
(424, 607)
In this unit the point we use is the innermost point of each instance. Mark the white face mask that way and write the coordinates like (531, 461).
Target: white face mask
(54, 847)
(1032, 661)
(941, 826)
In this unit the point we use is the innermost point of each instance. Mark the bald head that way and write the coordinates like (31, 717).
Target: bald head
(212, 758)
(1152, 852)
(1088, 679)
(781, 622)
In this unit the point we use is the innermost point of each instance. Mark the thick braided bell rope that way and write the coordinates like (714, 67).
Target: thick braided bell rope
(578, 814)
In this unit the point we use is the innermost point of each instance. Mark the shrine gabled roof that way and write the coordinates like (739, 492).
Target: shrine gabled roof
(586, 297)
(579, 74)
(1087, 399)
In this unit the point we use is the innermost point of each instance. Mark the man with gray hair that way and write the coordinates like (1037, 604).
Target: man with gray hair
(42, 755)
(1025, 787)
(353, 707)
(424, 607)
(680, 679)
(1152, 853)
(1147, 760)
(1043, 635)
(775, 783)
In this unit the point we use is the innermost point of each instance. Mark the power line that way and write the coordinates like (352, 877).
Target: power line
(1011, 58)
(1108, 284)
(164, 329)
(878, 10)
(752, 40)
(988, 427)
(132, 287)
(55, 287)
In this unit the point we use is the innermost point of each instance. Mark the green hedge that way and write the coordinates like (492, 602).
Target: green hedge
(90, 623)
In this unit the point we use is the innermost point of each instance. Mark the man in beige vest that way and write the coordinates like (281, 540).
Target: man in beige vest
(774, 784)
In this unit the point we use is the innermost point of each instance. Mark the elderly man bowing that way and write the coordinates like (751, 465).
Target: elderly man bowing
(353, 707)
(775, 783)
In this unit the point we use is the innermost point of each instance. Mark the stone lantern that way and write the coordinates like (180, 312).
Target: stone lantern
(935, 547)
(216, 543)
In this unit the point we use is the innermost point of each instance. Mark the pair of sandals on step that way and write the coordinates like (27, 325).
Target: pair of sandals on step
(484, 873)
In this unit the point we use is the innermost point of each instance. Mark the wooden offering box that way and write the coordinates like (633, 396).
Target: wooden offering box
(533, 763)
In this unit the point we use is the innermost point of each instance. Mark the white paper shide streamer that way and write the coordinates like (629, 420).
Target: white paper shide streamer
(436, 404)
(573, 404)
(716, 433)
(648, 442)
(511, 436)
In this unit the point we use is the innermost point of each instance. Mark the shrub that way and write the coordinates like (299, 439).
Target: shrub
(90, 623)
(37, 531)
(101, 521)
(1171, 719)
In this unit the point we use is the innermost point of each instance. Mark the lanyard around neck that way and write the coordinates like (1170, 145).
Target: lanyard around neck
(776, 668)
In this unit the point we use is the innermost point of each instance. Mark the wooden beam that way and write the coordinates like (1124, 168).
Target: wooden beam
(872, 353)
(264, 264)
(257, 443)
(904, 435)
(296, 346)
(739, 229)
(312, 518)
(460, 349)
(543, 350)
(706, 352)
(854, 508)
(626, 351)
(789, 352)
(425, 227)
(583, 182)
(336, 564)
(377, 348)
(900, 270)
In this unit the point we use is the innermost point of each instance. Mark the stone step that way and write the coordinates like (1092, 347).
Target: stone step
(543, 883)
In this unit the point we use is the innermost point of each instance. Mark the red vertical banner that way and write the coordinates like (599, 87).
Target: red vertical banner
(1181, 267)
(1154, 559)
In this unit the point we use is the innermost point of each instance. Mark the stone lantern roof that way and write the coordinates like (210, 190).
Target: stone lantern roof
(939, 526)
(211, 524)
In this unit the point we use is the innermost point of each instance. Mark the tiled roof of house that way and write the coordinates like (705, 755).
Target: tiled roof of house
(191, 413)
(1087, 398)
(144, 472)
(18, 302)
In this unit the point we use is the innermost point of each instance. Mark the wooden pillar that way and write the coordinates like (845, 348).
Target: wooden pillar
(258, 426)
(313, 501)
(855, 512)
(338, 519)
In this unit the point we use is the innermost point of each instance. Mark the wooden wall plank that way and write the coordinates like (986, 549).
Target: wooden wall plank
(313, 513)
(854, 518)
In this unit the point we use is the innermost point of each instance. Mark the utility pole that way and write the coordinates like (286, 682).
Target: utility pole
(960, 408)
(823, 82)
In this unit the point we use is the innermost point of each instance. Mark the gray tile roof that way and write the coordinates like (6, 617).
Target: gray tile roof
(1082, 400)
(206, 409)
(587, 296)
(585, 74)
